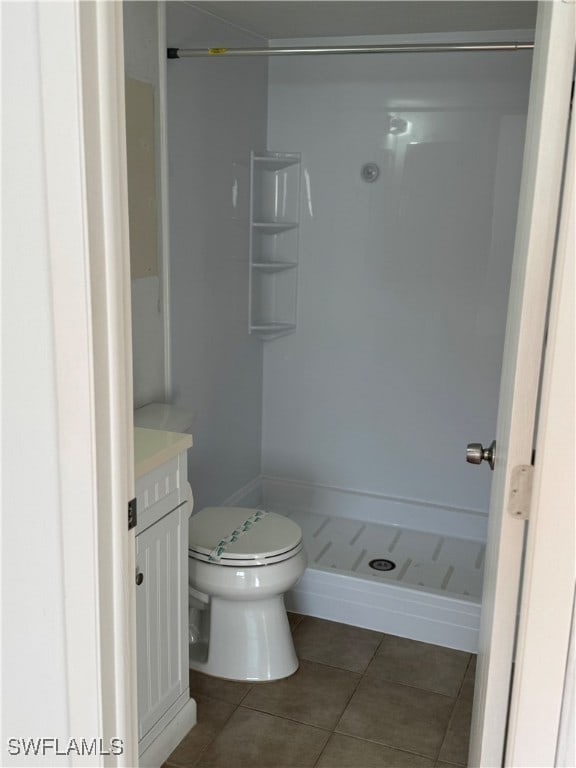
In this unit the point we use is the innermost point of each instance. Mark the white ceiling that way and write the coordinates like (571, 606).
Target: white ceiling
(272, 20)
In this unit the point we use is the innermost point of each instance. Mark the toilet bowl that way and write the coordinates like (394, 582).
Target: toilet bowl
(241, 562)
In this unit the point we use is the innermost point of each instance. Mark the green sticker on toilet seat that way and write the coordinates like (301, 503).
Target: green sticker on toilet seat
(244, 527)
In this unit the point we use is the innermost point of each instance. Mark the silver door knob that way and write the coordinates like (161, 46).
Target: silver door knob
(476, 453)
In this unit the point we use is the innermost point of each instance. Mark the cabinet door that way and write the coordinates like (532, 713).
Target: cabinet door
(161, 616)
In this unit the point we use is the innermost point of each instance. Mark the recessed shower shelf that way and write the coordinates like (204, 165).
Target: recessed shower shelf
(274, 266)
(274, 223)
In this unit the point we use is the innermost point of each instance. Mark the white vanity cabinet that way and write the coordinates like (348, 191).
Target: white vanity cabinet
(164, 504)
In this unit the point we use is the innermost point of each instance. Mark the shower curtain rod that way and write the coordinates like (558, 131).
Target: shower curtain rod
(182, 53)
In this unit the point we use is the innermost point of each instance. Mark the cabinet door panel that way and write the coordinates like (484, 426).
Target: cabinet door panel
(161, 558)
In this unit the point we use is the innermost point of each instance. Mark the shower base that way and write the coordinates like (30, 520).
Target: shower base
(432, 594)
(433, 591)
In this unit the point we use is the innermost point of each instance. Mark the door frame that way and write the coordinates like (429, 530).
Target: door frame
(102, 121)
(67, 573)
(107, 284)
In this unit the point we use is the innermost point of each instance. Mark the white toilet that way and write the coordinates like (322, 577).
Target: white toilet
(241, 562)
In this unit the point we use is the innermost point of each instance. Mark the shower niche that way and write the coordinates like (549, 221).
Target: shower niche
(274, 223)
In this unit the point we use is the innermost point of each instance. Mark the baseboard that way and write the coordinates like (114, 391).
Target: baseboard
(169, 738)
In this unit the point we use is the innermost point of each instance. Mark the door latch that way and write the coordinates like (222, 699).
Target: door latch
(132, 515)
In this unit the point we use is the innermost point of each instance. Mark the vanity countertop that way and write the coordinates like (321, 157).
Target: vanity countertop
(154, 447)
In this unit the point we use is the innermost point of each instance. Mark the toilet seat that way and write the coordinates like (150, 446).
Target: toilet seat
(263, 538)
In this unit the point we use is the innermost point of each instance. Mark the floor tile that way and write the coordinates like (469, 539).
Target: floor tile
(348, 752)
(440, 764)
(455, 746)
(257, 740)
(212, 715)
(419, 664)
(399, 716)
(467, 690)
(317, 695)
(410, 708)
(217, 688)
(294, 619)
(338, 645)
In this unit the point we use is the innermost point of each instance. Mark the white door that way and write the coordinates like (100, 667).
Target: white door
(535, 237)
(542, 669)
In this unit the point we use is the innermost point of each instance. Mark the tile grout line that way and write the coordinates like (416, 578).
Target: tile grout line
(330, 731)
(446, 731)
(394, 682)
(389, 679)
(454, 708)
(454, 698)
(341, 669)
(246, 694)
(360, 678)
(470, 661)
(204, 749)
(285, 717)
(314, 725)
(389, 746)
(450, 719)
(349, 699)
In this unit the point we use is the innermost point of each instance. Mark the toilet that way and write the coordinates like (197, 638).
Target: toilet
(241, 562)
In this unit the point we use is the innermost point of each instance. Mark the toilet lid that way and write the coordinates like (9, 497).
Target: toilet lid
(239, 536)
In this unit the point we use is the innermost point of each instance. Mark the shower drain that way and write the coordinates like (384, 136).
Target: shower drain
(380, 564)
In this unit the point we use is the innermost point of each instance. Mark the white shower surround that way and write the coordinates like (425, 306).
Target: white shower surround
(338, 471)
(436, 311)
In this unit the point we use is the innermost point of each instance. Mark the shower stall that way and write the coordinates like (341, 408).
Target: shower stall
(341, 233)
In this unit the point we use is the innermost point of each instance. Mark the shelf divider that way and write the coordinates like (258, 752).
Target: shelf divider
(274, 266)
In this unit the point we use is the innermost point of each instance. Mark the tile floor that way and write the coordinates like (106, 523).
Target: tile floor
(360, 699)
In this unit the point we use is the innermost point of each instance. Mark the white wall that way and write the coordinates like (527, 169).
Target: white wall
(216, 115)
(403, 283)
(32, 567)
(67, 645)
(141, 63)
